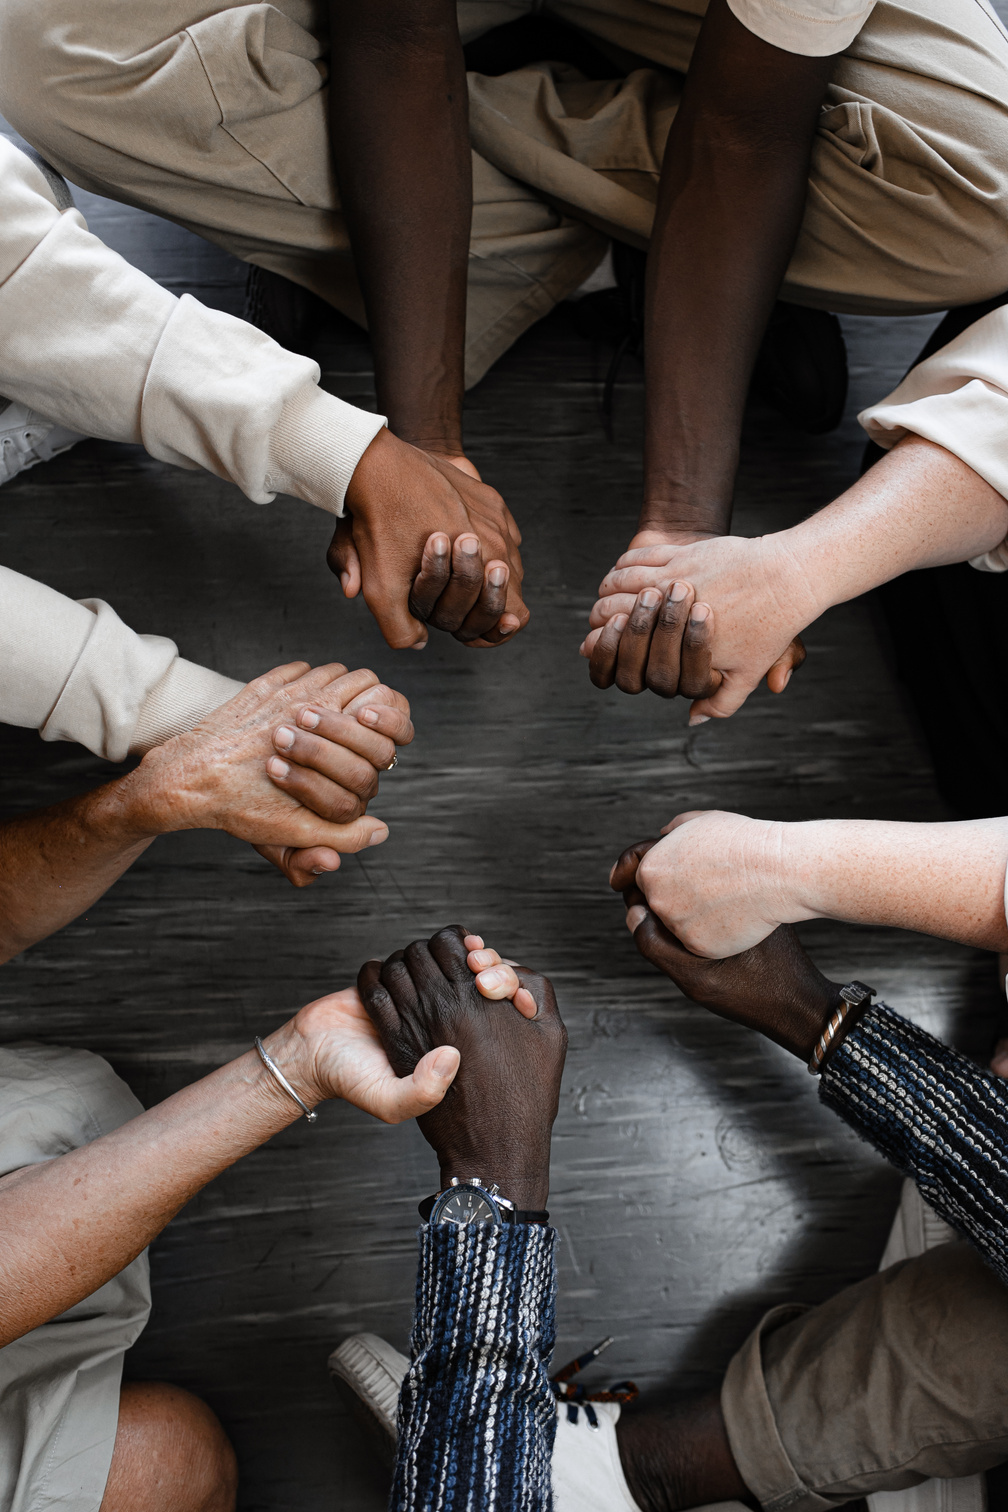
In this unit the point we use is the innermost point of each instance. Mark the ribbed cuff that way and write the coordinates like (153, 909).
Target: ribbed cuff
(316, 446)
(186, 694)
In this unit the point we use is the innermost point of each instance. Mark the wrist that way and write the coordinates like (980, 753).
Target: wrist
(527, 1186)
(290, 1051)
(796, 580)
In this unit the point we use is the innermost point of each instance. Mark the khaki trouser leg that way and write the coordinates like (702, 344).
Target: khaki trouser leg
(215, 116)
(908, 194)
(892, 1381)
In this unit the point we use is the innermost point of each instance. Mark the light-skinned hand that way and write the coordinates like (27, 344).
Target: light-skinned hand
(331, 1049)
(705, 619)
(715, 881)
(227, 773)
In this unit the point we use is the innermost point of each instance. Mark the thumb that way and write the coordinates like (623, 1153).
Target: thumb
(432, 1076)
(342, 558)
(729, 698)
(779, 674)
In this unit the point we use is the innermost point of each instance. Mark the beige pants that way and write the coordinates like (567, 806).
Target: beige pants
(214, 114)
(893, 1381)
(59, 1384)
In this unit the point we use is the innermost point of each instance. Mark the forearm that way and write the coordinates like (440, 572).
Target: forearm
(941, 879)
(482, 1340)
(70, 1224)
(734, 176)
(935, 1115)
(399, 121)
(56, 862)
(919, 506)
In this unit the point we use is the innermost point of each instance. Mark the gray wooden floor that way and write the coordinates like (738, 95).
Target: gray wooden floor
(696, 1180)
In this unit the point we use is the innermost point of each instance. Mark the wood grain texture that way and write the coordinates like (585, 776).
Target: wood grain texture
(696, 1180)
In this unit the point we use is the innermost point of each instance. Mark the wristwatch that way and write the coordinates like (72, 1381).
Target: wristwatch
(464, 1203)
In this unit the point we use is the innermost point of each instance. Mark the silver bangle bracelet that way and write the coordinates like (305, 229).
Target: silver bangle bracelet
(274, 1070)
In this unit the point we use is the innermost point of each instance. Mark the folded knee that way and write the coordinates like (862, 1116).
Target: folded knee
(171, 1454)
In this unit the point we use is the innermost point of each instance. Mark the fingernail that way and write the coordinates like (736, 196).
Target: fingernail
(368, 716)
(619, 621)
(419, 645)
(698, 614)
(479, 951)
(444, 1067)
(490, 978)
(787, 679)
(379, 836)
(498, 576)
(678, 592)
(309, 720)
(283, 738)
(649, 598)
(698, 719)
(277, 768)
(440, 545)
(635, 916)
(344, 578)
(469, 545)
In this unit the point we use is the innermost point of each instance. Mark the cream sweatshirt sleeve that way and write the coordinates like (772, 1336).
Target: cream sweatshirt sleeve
(959, 399)
(90, 342)
(74, 671)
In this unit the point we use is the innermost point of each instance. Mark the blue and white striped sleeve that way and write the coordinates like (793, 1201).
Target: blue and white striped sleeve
(935, 1115)
(477, 1415)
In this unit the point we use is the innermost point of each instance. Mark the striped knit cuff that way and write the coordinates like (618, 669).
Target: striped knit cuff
(934, 1115)
(477, 1414)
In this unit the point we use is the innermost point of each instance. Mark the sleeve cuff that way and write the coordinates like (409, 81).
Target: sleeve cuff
(316, 445)
(186, 694)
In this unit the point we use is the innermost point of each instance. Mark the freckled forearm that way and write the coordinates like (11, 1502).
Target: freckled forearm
(942, 879)
(919, 506)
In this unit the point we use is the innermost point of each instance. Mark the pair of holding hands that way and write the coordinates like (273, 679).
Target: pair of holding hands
(428, 544)
(289, 764)
(430, 1034)
(654, 626)
(473, 1047)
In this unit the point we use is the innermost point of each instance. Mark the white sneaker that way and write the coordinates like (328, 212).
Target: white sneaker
(369, 1373)
(26, 438)
(587, 1471)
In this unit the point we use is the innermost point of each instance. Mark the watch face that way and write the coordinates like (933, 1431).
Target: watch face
(463, 1205)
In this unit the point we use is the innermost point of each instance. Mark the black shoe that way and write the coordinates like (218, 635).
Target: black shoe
(801, 369)
(281, 309)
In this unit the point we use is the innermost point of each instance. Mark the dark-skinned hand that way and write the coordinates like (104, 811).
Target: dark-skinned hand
(428, 543)
(774, 988)
(496, 1119)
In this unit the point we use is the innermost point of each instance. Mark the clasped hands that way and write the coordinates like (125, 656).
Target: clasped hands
(445, 1032)
(703, 618)
(289, 765)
